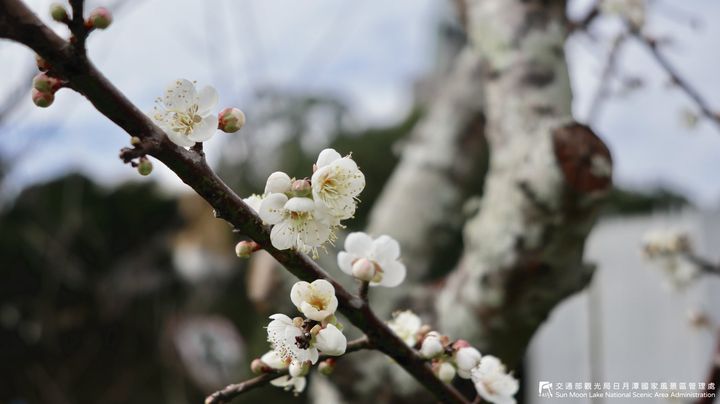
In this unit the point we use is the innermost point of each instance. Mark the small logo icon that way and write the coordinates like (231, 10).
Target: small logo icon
(545, 389)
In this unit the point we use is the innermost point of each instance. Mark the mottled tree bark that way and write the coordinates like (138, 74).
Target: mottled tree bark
(524, 247)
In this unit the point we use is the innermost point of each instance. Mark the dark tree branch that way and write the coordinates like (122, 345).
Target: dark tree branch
(20, 24)
(231, 391)
(228, 393)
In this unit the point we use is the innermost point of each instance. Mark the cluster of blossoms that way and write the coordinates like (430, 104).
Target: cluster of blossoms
(305, 212)
(186, 115)
(671, 250)
(456, 358)
(297, 342)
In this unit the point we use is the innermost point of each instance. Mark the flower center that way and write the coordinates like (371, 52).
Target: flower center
(184, 122)
(317, 302)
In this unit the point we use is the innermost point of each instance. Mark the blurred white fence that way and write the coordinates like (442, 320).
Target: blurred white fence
(629, 327)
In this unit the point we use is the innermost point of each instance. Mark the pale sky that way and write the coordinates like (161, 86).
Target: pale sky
(369, 54)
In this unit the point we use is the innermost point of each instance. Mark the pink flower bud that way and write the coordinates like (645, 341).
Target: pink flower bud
(257, 366)
(100, 18)
(327, 366)
(42, 99)
(363, 269)
(44, 83)
(301, 187)
(58, 12)
(244, 249)
(231, 120)
(461, 343)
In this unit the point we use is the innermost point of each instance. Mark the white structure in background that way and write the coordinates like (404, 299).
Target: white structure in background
(629, 326)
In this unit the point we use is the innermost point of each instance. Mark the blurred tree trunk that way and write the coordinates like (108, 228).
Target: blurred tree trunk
(521, 249)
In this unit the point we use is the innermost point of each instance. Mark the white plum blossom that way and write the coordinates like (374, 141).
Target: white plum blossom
(272, 359)
(493, 383)
(383, 252)
(331, 341)
(446, 372)
(298, 369)
(406, 325)
(185, 114)
(431, 345)
(671, 251)
(254, 201)
(632, 10)
(336, 183)
(290, 383)
(283, 335)
(297, 223)
(467, 358)
(315, 300)
(278, 183)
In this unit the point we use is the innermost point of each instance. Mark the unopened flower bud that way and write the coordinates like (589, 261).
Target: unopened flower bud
(42, 64)
(301, 187)
(58, 12)
(257, 366)
(363, 269)
(445, 372)
(316, 329)
(100, 18)
(42, 99)
(327, 366)
(461, 343)
(298, 369)
(244, 249)
(278, 183)
(144, 167)
(135, 141)
(231, 120)
(431, 345)
(43, 82)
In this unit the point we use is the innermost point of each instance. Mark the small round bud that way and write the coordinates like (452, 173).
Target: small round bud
(461, 343)
(327, 366)
(144, 167)
(278, 183)
(135, 141)
(42, 64)
(58, 12)
(298, 369)
(257, 366)
(231, 120)
(363, 269)
(244, 249)
(42, 99)
(100, 18)
(301, 187)
(44, 83)
(445, 372)
(431, 345)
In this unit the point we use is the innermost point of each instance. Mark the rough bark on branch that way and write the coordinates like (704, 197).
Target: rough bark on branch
(523, 249)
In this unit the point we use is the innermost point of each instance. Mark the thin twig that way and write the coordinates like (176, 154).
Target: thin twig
(228, 393)
(676, 78)
(20, 24)
(603, 90)
(364, 289)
